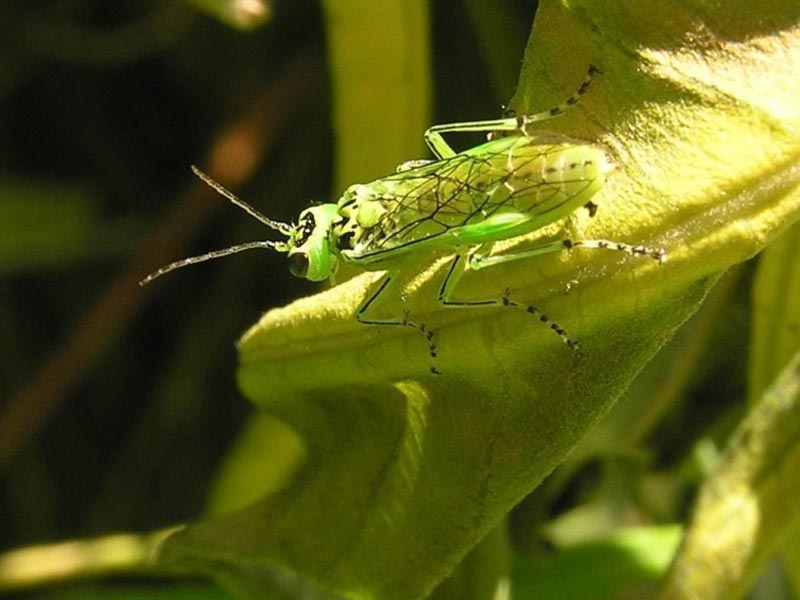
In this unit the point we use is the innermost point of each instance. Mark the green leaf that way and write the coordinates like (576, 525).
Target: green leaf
(406, 471)
(49, 224)
(776, 311)
(148, 592)
(775, 341)
(263, 461)
(626, 564)
(484, 574)
(375, 47)
(749, 507)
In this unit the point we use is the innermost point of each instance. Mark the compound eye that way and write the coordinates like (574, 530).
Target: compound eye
(298, 264)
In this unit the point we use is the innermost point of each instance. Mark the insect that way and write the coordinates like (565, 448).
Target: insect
(517, 182)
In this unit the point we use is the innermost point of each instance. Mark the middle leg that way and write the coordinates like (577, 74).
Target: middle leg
(462, 262)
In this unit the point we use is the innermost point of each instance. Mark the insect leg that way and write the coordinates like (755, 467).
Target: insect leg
(373, 302)
(456, 271)
(437, 144)
(481, 260)
(562, 108)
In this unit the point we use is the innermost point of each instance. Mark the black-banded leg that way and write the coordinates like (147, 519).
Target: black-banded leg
(461, 262)
(438, 145)
(479, 258)
(373, 301)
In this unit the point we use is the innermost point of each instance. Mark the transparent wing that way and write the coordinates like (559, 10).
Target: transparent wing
(545, 176)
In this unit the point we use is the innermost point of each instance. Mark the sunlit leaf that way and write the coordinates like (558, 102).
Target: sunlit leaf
(749, 506)
(407, 471)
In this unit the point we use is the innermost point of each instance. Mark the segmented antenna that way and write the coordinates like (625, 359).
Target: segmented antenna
(284, 228)
(185, 262)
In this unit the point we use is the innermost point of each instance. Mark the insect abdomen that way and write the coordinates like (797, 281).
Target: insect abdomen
(534, 180)
(548, 178)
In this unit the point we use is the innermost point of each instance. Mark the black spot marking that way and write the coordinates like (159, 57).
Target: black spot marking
(345, 241)
(306, 227)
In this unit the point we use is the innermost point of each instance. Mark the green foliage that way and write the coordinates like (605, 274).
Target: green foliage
(628, 562)
(407, 472)
(51, 225)
(144, 592)
(525, 467)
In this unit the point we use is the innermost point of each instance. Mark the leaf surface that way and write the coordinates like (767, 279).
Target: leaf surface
(405, 471)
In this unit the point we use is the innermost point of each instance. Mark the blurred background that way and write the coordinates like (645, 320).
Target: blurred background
(118, 403)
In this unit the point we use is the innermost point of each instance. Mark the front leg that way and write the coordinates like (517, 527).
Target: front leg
(376, 299)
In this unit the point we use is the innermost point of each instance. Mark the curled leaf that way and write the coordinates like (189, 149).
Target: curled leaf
(406, 471)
